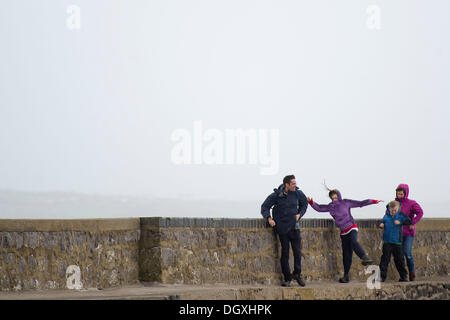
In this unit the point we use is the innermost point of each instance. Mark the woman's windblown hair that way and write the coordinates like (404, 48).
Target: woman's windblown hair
(330, 191)
(325, 185)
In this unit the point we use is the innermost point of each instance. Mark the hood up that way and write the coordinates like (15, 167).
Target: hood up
(406, 187)
(338, 194)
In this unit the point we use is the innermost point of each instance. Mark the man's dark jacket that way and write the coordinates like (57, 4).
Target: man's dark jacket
(285, 208)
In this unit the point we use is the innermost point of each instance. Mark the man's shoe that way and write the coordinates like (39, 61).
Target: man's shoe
(344, 279)
(382, 279)
(412, 276)
(366, 261)
(286, 284)
(403, 280)
(299, 279)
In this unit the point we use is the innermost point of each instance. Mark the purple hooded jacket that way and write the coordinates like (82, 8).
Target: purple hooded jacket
(412, 209)
(340, 210)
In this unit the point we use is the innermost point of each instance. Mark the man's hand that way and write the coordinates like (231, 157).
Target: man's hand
(381, 225)
(271, 222)
(397, 222)
(411, 227)
(297, 217)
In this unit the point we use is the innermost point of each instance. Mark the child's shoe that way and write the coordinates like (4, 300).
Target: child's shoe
(286, 284)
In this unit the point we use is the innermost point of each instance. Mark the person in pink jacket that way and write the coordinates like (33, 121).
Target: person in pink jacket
(413, 210)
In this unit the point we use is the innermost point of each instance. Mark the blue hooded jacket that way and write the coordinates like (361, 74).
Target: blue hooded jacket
(393, 233)
(285, 207)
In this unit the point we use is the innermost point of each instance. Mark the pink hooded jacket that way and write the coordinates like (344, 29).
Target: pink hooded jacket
(412, 209)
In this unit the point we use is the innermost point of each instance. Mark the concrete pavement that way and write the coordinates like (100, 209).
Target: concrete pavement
(426, 289)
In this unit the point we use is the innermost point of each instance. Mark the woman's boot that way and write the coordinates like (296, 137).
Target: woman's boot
(366, 260)
(344, 279)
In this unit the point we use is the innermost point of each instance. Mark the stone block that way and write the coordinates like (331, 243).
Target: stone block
(31, 239)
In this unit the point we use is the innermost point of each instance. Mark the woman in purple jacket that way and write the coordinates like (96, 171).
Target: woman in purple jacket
(413, 210)
(339, 209)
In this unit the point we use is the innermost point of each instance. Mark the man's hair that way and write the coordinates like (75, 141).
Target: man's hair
(288, 179)
(394, 204)
(401, 189)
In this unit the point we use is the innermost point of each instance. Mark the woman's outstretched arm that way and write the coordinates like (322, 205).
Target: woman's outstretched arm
(356, 203)
(319, 207)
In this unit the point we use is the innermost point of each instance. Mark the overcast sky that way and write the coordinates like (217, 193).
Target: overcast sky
(358, 96)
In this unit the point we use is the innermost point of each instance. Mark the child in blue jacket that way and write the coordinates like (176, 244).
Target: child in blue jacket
(393, 222)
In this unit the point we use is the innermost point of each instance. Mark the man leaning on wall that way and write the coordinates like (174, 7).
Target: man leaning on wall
(288, 204)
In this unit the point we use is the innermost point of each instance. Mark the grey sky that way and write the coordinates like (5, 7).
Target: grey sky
(93, 110)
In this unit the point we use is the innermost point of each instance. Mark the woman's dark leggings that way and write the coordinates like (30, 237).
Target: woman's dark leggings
(350, 244)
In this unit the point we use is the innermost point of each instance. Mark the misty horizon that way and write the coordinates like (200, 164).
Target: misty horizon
(72, 205)
(109, 98)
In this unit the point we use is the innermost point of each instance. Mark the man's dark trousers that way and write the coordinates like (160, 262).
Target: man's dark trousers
(293, 237)
(397, 251)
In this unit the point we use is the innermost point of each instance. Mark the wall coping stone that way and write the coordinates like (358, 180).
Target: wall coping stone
(56, 225)
(117, 224)
(426, 224)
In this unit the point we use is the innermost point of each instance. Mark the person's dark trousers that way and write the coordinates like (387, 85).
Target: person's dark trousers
(292, 237)
(350, 244)
(397, 251)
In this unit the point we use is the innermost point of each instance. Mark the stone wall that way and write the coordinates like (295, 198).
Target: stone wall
(207, 251)
(246, 251)
(36, 254)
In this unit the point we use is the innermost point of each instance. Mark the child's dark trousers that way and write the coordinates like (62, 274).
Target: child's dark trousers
(399, 259)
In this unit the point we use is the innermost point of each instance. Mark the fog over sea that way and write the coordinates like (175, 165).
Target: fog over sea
(71, 205)
(199, 108)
